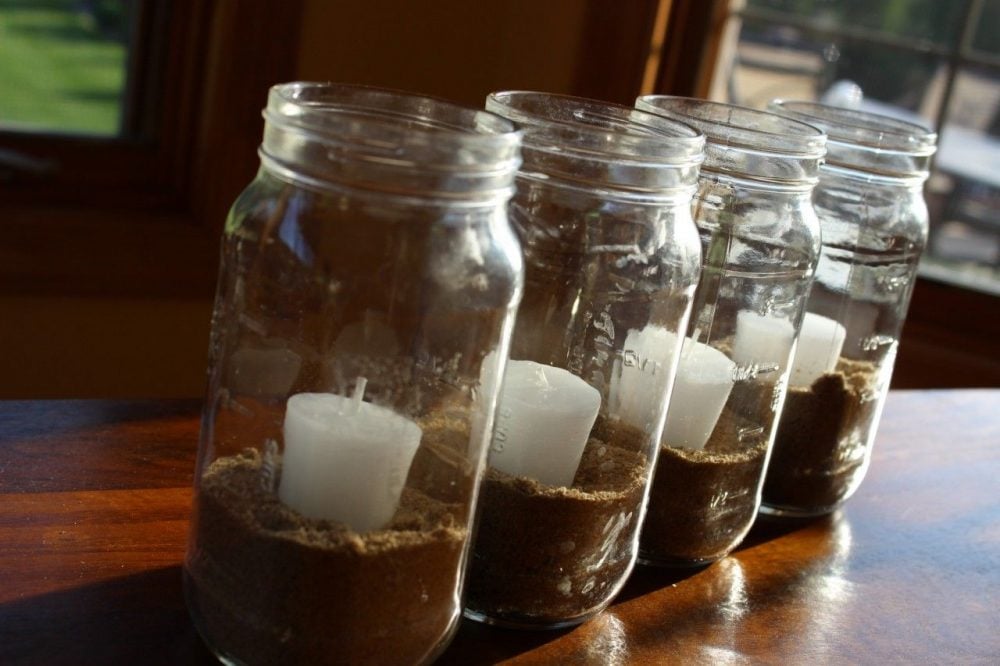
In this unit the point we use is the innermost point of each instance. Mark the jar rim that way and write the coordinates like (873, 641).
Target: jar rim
(594, 129)
(864, 129)
(389, 141)
(337, 111)
(735, 126)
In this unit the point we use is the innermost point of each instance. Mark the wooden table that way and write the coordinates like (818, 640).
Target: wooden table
(95, 495)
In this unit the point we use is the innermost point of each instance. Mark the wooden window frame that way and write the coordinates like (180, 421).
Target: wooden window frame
(142, 216)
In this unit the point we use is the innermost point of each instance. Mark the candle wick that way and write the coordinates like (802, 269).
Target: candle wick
(359, 394)
(542, 380)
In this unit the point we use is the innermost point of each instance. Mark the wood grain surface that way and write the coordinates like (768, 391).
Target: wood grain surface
(95, 496)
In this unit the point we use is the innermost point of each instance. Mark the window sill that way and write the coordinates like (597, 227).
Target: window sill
(977, 278)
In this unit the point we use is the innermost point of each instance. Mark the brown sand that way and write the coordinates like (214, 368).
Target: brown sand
(268, 586)
(821, 447)
(702, 503)
(546, 555)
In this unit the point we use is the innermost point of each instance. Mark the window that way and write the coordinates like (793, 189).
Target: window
(63, 65)
(138, 128)
(931, 61)
(83, 84)
(749, 51)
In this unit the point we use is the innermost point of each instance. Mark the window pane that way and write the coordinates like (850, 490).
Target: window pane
(783, 61)
(966, 186)
(986, 39)
(818, 56)
(774, 61)
(937, 21)
(63, 65)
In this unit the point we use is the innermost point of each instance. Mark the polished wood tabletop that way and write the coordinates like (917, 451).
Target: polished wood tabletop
(95, 497)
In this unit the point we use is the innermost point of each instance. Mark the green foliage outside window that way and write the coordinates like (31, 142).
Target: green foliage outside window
(63, 65)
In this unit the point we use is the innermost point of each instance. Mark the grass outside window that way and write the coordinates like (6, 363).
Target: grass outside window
(63, 66)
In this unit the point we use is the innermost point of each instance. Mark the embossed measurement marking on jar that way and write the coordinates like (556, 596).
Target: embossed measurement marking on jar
(891, 283)
(873, 342)
(747, 372)
(778, 395)
(749, 433)
(603, 323)
(720, 498)
(625, 248)
(611, 530)
(849, 455)
(869, 394)
(604, 345)
(632, 359)
(500, 431)
(777, 304)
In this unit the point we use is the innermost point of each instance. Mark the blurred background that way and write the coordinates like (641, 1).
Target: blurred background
(127, 127)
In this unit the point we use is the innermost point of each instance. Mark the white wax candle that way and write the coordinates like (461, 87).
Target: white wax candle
(263, 371)
(636, 393)
(543, 422)
(762, 340)
(345, 459)
(820, 344)
(704, 381)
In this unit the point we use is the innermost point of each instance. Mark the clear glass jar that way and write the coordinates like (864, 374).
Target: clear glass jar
(603, 212)
(760, 243)
(368, 281)
(871, 207)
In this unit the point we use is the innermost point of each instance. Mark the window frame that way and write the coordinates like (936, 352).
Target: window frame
(141, 216)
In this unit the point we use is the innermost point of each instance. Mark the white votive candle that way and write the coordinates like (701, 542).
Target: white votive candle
(820, 344)
(704, 381)
(762, 340)
(345, 459)
(543, 422)
(636, 394)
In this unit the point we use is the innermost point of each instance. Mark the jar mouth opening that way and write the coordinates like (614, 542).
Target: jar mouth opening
(863, 129)
(388, 141)
(381, 117)
(595, 130)
(731, 126)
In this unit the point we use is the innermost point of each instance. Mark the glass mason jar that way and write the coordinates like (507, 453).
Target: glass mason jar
(871, 207)
(603, 212)
(760, 243)
(369, 278)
